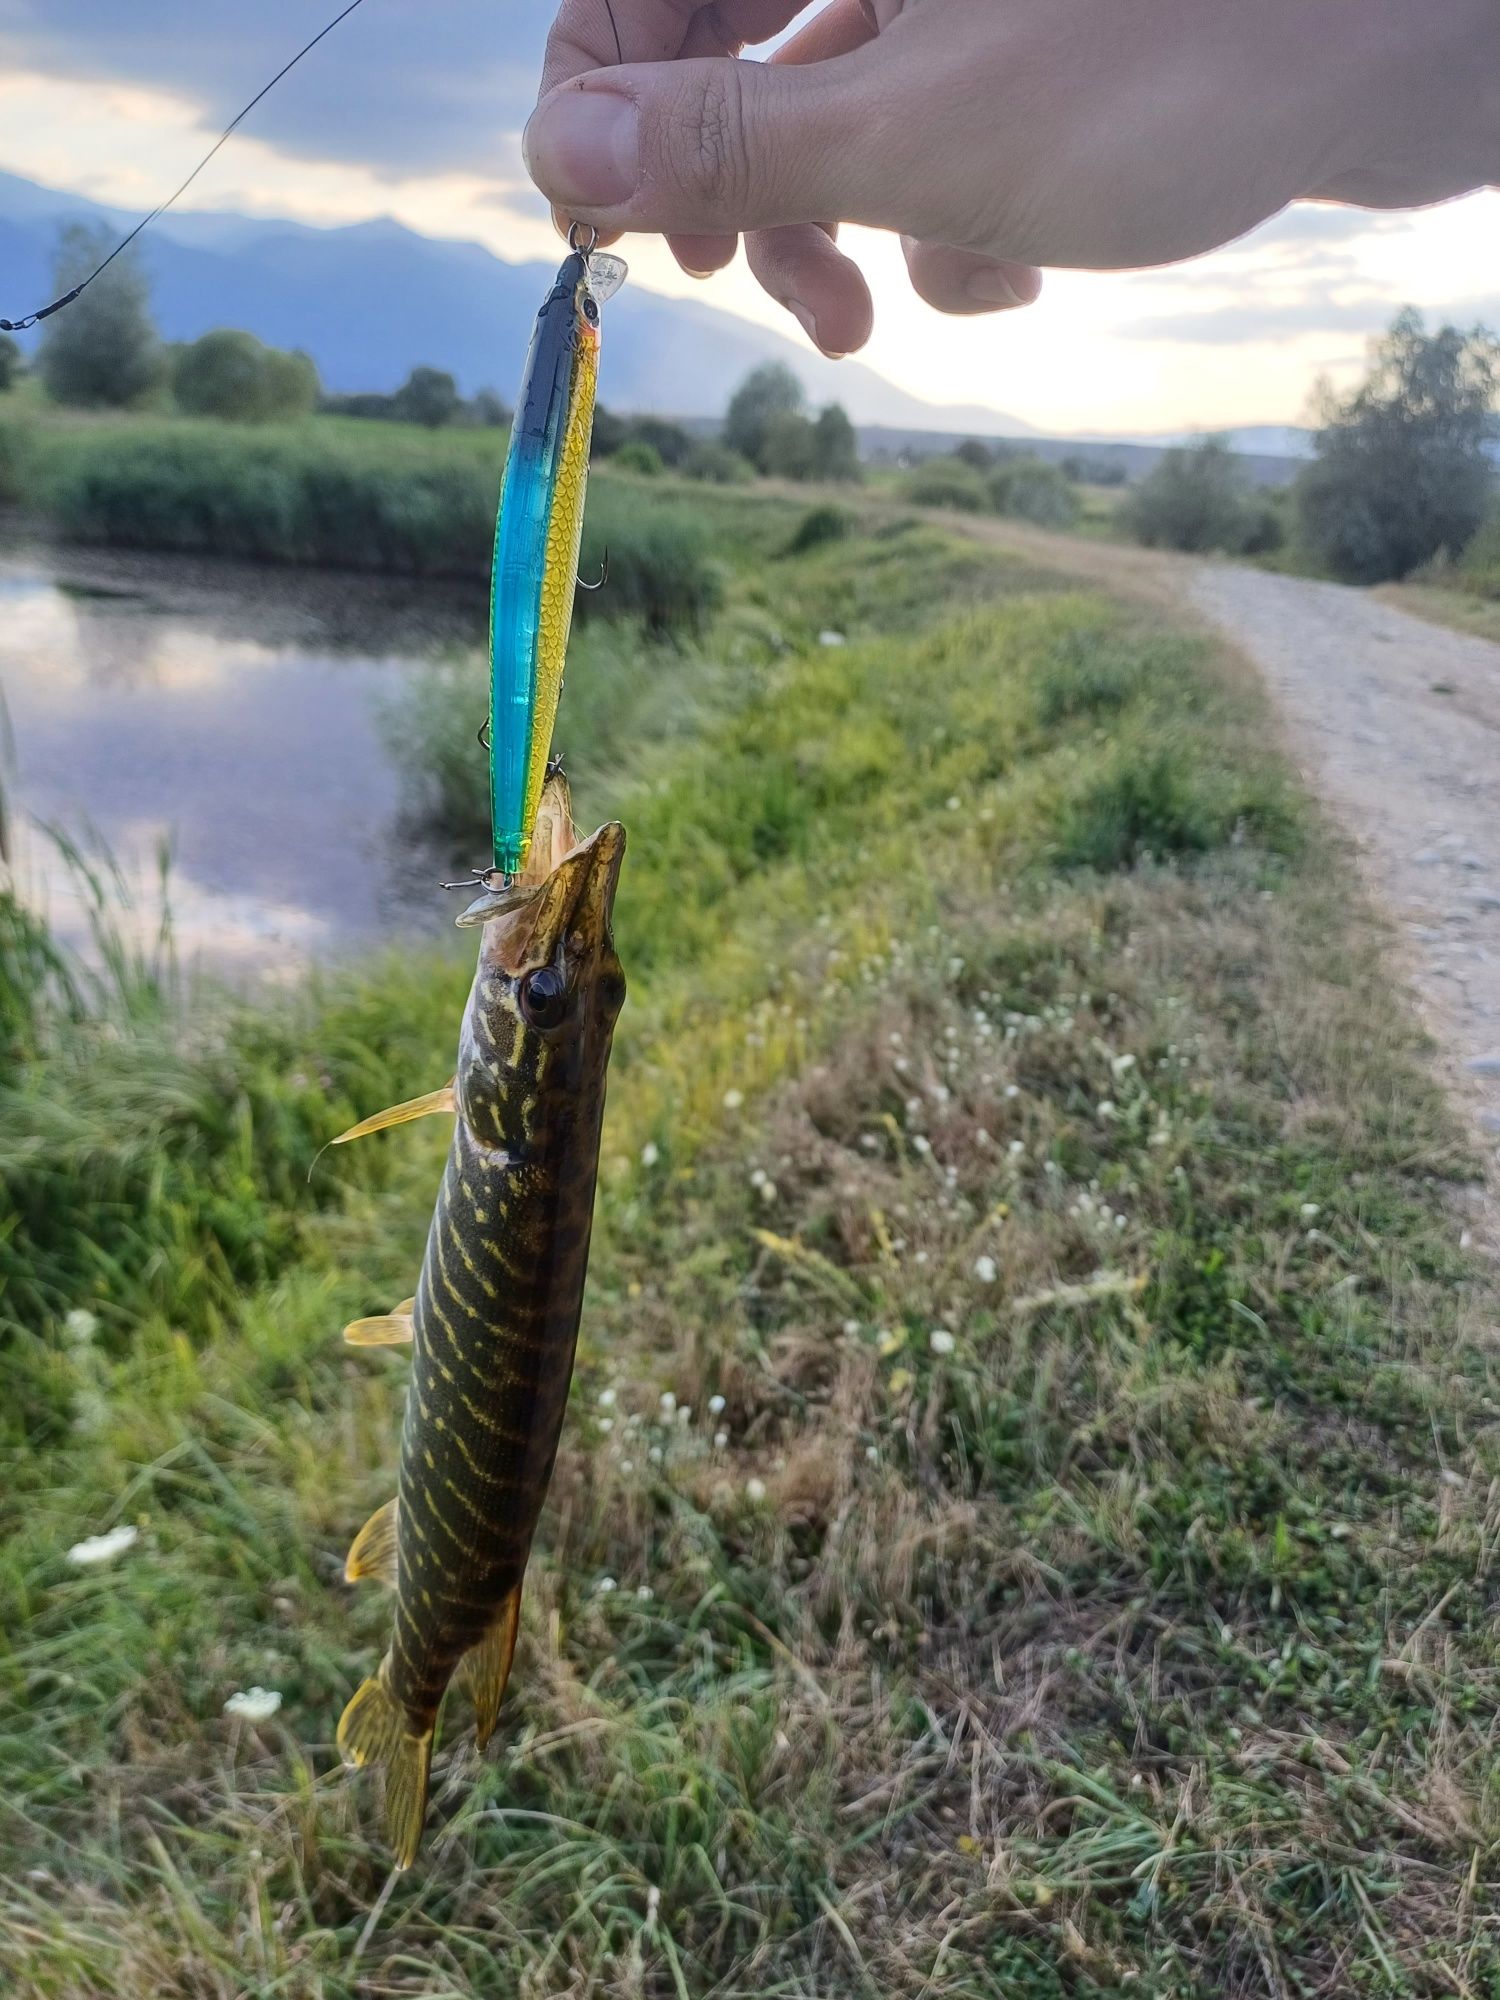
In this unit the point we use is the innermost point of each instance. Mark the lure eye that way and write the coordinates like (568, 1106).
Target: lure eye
(544, 998)
(591, 310)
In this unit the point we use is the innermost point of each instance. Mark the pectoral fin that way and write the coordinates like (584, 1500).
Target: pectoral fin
(373, 1551)
(429, 1106)
(383, 1330)
(487, 1666)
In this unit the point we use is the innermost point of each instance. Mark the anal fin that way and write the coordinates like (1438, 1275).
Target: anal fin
(487, 1666)
(374, 1549)
(435, 1102)
(384, 1330)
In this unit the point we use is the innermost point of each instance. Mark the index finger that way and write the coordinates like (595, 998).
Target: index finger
(597, 34)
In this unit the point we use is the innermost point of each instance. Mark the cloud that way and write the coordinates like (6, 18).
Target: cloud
(1245, 321)
(402, 87)
(1310, 226)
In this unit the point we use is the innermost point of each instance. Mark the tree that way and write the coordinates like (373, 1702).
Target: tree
(788, 447)
(1194, 499)
(428, 396)
(229, 373)
(766, 395)
(102, 350)
(10, 361)
(669, 441)
(835, 447)
(491, 411)
(973, 452)
(1403, 470)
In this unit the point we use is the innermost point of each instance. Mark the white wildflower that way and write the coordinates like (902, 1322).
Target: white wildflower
(102, 1548)
(255, 1704)
(954, 804)
(733, 1099)
(1013, 1090)
(1309, 1210)
(721, 1438)
(668, 1403)
(650, 1153)
(940, 1340)
(654, 1454)
(767, 1191)
(606, 1424)
(986, 1270)
(607, 1399)
(872, 1453)
(81, 1324)
(685, 1414)
(755, 1490)
(1015, 1149)
(715, 1405)
(605, 1585)
(644, 1592)
(921, 1145)
(832, 638)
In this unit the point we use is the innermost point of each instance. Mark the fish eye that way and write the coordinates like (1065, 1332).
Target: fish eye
(591, 309)
(544, 998)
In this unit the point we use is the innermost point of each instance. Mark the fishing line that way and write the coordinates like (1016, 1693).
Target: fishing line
(46, 312)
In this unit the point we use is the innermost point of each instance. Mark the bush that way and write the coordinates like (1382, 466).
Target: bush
(1026, 489)
(638, 457)
(230, 374)
(1480, 568)
(11, 362)
(717, 465)
(1195, 500)
(818, 526)
(946, 482)
(660, 568)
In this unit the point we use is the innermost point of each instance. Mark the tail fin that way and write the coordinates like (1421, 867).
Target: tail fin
(373, 1730)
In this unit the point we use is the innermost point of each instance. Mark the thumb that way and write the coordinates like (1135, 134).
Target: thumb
(699, 147)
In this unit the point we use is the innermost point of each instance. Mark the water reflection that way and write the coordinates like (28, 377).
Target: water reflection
(233, 713)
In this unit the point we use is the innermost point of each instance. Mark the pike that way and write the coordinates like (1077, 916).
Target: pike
(494, 1320)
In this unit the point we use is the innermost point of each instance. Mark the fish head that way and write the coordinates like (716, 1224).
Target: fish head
(549, 986)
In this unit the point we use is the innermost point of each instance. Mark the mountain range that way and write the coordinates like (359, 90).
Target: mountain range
(370, 301)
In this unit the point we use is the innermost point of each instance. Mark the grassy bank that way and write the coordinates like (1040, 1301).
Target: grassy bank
(335, 493)
(1081, 1587)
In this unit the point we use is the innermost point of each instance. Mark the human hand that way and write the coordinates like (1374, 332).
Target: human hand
(999, 135)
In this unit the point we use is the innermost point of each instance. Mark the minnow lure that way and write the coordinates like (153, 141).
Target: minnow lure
(494, 1321)
(537, 538)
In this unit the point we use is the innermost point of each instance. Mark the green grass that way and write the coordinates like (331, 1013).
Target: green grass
(989, 979)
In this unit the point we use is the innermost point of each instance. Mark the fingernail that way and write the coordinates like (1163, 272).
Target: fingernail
(809, 326)
(582, 148)
(994, 288)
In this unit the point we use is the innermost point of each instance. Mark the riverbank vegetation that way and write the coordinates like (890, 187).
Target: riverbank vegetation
(1023, 1522)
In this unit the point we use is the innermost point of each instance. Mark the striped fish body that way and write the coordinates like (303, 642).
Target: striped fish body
(536, 544)
(494, 1320)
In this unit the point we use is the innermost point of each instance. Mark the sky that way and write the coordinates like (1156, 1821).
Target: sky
(415, 110)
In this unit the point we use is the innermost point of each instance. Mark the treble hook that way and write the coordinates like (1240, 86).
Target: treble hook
(603, 574)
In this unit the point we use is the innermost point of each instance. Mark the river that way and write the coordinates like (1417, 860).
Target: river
(234, 714)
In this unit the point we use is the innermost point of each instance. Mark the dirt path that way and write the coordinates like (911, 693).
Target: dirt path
(1397, 724)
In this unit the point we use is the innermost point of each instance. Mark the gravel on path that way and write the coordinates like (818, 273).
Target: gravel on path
(1397, 725)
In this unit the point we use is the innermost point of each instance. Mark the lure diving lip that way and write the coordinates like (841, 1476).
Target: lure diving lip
(537, 538)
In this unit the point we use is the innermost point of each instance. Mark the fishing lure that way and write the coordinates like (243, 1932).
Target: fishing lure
(494, 1321)
(537, 539)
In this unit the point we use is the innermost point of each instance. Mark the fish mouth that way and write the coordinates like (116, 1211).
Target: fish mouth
(573, 905)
